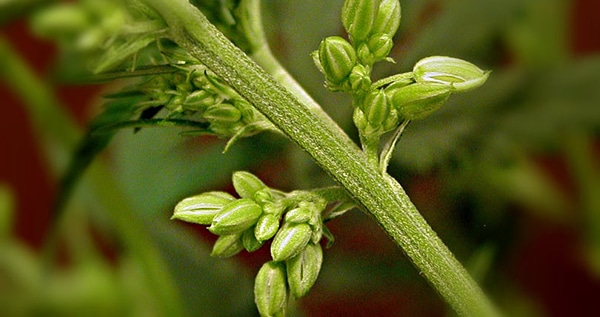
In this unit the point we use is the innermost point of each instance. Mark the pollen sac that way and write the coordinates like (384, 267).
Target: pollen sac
(227, 245)
(387, 19)
(270, 289)
(358, 17)
(266, 227)
(290, 240)
(377, 107)
(456, 73)
(303, 269)
(247, 185)
(236, 217)
(249, 241)
(419, 100)
(201, 209)
(337, 58)
(222, 114)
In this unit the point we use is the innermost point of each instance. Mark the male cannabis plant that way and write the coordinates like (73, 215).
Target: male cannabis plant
(205, 65)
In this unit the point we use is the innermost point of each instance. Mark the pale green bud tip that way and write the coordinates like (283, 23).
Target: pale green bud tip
(303, 269)
(377, 107)
(247, 184)
(358, 17)
(235, 217)
(290, 240)
(388, 16)
(337, 58)
(222, 114)
(419, 100)
(201, 209)
(266, 227)
(270, 289)
(227, 245)
(457, 73)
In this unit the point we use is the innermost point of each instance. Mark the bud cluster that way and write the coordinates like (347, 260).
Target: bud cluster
(371, 25)
(197, 94)
(293, 221)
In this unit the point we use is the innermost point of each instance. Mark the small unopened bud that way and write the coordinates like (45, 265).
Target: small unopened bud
(359, 118)
(235, 217)
(298, 215)
(249, 241)
(201, 209)
(290, 240)
(266, 227)
(419, 100)
(359, 78)
(222, 114)
(337, 58)
(380, 46)
(303, 269)
(227, 245)
(200, 100)
(358, 17)
(457, 73)
(377, 107)
(270, 289)
(247, 184)
(387, 19)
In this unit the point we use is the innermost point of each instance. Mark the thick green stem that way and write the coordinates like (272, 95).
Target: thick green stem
(381, 197)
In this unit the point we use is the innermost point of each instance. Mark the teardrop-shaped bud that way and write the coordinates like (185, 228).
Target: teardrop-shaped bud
(303, 269)
(380, 45)
(236, 217)
(201, 209)
(223, 113)
(290, 240)
(457, 73)
(249, 241)
(227, 245)
(337, 57)
(270, 289)
(266, 227)
(298, 215)
(419, 100)
(377, 107)
(358, 17)
(200, 100)
(388, 17)
(247, 184)
(359, 118)
(359, 78)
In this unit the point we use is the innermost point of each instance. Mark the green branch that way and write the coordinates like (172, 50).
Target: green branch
(381, 197)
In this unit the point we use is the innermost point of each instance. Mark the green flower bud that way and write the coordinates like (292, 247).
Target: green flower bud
(201, 209)
(270, 289)
(358, 17)
(290, 240)
(337, 57)
(263, 196)
(392, 121)
(200, 100)
(303, 269)
(380, 46)
(419, 100)
(247, 184)
(359, 118)
(222, 114)
(235, 217)
(249, 241)
(227, 245)
(298, 215)
(266, 227)
(359, 78)
(396, 85)
(387, 19)
(377, 107)
(457, 73)
(273, 208)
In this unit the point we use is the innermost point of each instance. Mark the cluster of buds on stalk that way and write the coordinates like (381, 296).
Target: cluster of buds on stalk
(382, 106)
(293, 221)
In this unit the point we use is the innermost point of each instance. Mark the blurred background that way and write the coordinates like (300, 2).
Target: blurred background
(508, 175)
